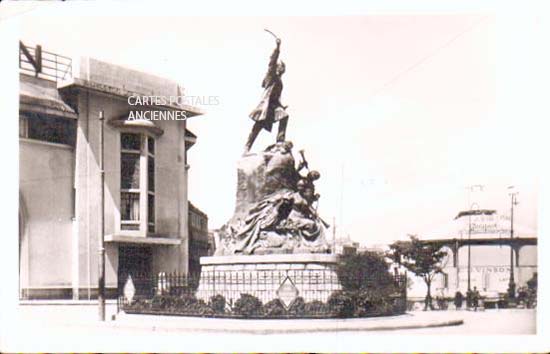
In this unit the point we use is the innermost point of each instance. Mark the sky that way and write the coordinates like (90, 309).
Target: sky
(399, 113)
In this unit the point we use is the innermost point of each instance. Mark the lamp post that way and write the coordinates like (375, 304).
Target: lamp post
(469, 246)
(333, 235)
(471, 188)
(469, 249)
(101, 248)
(512, 284)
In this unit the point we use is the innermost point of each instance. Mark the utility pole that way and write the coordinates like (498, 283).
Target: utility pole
(334, 235)
(101, 263)
(512, 284)
(470, 190)
(471, 206)
(469, 249)
(470, 212)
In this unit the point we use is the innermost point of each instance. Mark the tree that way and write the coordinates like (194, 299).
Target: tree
(368, 287)
(425, 260)
(532, 285)
(364, 270)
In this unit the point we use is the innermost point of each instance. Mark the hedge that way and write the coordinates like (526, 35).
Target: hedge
(341, 304)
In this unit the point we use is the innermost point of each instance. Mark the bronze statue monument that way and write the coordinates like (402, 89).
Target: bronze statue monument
(274, 244)
(270, 109)
(275, 210)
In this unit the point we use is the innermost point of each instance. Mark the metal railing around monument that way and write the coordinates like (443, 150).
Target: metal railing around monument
(166, 286)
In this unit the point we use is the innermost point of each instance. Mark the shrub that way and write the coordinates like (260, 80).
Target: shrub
(316, 308)
(373, 302)
(298, 307)
(186, 304)
(138, 305)
(248, 306)
(217, 303)
(341, 304)
(200, 308)
(162, 302)
(274, 308)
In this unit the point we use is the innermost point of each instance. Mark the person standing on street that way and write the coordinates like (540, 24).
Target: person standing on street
(475, 298)
(459, 298)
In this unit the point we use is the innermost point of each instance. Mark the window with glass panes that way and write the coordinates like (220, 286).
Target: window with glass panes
(137, 154)
(151, 184)
(43, 127)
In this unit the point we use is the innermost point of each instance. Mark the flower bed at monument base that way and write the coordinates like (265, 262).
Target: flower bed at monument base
(341, 304)
(368, 289)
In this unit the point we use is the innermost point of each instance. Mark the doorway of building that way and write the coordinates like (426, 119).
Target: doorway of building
(136, 262)
(23, 250)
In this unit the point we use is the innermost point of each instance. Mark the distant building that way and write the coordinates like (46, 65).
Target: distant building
(211, 242)
(198, 238)
(145, 200)
(487, 235)
(379, 249)
(345, 246)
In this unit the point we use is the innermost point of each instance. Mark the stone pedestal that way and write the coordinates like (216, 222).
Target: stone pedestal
(275, 208)
(268, 277)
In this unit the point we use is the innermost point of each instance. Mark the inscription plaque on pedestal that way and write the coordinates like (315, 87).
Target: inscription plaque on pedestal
(287, 292)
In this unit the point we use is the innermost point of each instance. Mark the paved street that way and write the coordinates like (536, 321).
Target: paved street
(513, 321)
(42, 329)
(503, 321)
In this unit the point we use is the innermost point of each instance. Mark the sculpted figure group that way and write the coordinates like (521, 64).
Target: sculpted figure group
(281, 215)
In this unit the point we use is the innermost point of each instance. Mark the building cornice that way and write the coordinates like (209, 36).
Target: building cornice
(143, 240)
(86, 85)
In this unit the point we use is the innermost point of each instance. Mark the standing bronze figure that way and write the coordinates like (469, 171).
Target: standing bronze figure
(270, 109)
(276, 205)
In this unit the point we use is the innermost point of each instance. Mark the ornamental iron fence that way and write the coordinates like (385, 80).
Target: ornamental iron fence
(261, 295)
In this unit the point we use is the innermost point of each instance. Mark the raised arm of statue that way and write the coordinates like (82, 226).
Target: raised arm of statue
(303, 163)
(272, 67)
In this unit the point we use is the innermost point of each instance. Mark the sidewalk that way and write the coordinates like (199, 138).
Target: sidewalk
(64, 311)
(85, 315)
(59, 328)
(272, 326)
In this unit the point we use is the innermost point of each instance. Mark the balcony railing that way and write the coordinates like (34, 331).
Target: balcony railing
(41, 63)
